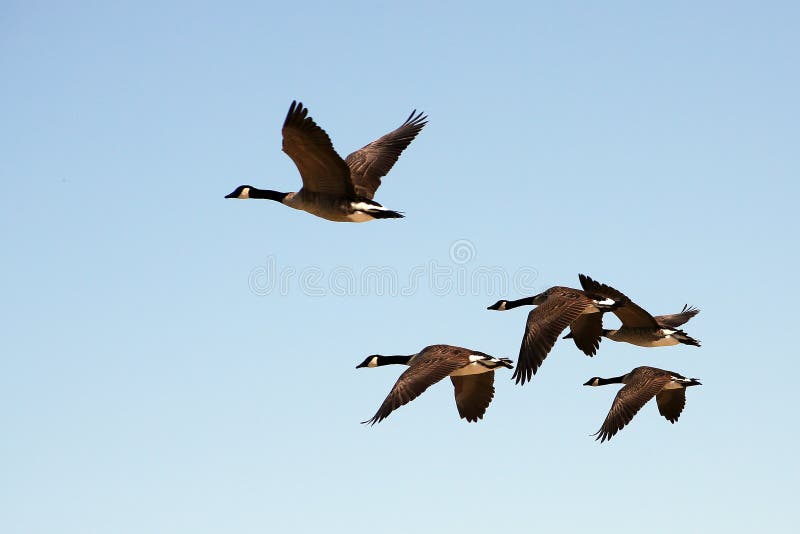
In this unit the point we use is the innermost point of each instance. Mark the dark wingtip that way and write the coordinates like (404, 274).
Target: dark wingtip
(387, 214)
(419, 120)
(521, 376)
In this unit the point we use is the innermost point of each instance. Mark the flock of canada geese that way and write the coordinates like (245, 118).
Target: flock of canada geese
(342, 190)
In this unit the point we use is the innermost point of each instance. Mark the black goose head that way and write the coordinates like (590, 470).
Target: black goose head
(243, 191)
(500, 305)
(597, 381)
(376, 360)
(248, 191)
(370, 361)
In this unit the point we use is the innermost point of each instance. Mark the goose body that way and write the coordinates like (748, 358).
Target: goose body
(472, 374)
(336, 189)
(638, 326)
(641, 385)
(649, 337)
(557, 308)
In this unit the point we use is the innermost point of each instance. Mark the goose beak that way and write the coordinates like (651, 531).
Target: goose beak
(589, 382)
(231, 195)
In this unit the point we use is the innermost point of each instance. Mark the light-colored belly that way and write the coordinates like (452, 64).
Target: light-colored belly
(325, 207)
(663, 342)
(358, 217)
(471, 369)
(644, 338)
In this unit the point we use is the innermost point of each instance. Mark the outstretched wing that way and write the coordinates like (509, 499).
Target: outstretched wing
(587, 330)
(544, 325)
(629, 313)
(372, 162)
(677, 319)
(425, 371)
(671, 402)
(321, 168)
(628, 402)
(473, 393)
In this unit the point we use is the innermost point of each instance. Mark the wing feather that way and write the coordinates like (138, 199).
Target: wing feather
(644, 385)
(677, 319)
(629, 313)
(473, 394)
(372, 162)
(545, 323)
(671, 403)
(321, 168)
(587, 331)
(427, 369)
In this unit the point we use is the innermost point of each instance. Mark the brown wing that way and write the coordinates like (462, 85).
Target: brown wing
(671, 402)
(426, 369)
(629, 313)
(321, 168)
(473, 394)
(587, 330)
(677, 319)
(630, 399)
(545, 323)
(372, 162)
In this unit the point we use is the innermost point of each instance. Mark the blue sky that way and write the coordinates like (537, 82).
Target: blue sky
(151, 382)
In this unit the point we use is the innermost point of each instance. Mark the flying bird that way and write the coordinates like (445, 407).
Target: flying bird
(638, 326)
(641, 385)
(557, 308)
(471, 372)
(336, 189)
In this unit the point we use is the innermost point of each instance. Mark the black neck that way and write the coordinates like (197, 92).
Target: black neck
(267, 193)
(389, 360)
(615, 380)
(527, 301)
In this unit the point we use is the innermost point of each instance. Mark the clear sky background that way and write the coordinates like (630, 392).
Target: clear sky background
(153, 380)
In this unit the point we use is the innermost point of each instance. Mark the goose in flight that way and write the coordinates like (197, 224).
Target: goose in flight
(471, 372)
(641, 385)
(638, 326)
(336, 189)
(557, 308)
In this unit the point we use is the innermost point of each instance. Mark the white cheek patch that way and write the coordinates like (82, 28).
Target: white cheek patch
(245, 193)
(373, 362)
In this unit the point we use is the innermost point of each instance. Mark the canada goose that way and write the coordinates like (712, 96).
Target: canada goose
(336, 189)
(557, 308)
(472, 373)
(641, 385)
(638, 326)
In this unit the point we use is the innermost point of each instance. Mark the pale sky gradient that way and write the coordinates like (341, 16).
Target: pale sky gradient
(149, 384)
